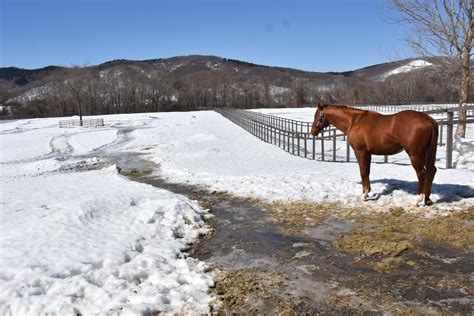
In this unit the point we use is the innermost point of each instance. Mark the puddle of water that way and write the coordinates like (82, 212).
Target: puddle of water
(331, 229)
(245, 236)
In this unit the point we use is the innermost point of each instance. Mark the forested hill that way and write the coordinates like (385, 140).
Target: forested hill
(190, 82)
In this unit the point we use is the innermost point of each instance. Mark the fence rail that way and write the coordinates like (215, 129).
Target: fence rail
(331, 145)
(401, 107)
(85, 123)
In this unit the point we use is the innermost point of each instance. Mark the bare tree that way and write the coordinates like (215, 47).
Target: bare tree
(442, 27)
(77, 85)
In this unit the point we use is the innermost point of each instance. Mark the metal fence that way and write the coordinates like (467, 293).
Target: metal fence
(85, 123)
(331, 145)
(421, 107)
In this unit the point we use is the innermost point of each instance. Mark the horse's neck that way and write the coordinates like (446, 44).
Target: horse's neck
(342, 117)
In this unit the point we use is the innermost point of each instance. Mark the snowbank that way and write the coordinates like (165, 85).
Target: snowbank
(90, 242)
(94, 242)
(464, 153)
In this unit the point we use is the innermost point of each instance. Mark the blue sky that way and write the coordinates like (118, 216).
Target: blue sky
(313, 35)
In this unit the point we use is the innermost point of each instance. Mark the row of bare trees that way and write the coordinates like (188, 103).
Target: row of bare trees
(89, 91)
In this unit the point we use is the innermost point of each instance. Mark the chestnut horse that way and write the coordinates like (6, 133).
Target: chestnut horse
(371, 133)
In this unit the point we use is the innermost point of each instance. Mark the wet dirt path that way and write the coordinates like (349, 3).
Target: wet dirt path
(269, 265)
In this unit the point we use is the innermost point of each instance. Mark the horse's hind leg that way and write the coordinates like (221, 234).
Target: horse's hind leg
(430, 173)
(418, 163)
(430, 159)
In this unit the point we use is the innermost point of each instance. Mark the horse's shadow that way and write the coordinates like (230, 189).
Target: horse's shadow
(446, 192)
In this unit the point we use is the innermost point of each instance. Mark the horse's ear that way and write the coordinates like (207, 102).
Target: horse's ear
(320, 106)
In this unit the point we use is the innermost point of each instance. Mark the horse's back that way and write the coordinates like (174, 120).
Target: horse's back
(414, 116)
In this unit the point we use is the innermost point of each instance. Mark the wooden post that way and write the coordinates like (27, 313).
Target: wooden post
(293, 142)
(314, 148)
(275, 141)
(279, 138)
(348, 152)
(449, 141)
(334, 145)
(385, 159)
(305, 145)
(267, 132)
(322, 146)
(298, 142)
(441, 134)
(288, 141)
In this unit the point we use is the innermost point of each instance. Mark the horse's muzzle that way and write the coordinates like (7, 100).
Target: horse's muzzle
(314, 132)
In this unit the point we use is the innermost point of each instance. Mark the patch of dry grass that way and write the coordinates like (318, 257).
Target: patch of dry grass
(296, 216)
(386, 233)
(137, 172)
(237, 289)
(401, 225)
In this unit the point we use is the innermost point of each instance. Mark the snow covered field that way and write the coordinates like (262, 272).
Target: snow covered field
(88, 240)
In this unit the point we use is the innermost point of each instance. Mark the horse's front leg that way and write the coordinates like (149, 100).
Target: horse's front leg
(364, 158)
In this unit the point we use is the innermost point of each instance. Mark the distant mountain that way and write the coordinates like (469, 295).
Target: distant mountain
(187, 82)
(24, 76)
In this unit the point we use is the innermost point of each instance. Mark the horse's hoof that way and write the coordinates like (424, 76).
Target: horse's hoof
(420, 199)
(428, 202)
(363, 197)
(369, 197)
(372, 197)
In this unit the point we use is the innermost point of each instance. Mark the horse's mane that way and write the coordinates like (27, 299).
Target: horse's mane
(345, 108)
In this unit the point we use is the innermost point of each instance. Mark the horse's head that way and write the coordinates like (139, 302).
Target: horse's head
(320, 121)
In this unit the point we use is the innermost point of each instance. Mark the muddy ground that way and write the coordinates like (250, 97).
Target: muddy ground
(304, 257)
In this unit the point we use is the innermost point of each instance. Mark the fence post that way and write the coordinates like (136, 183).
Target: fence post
(293, 142)
(305, 145)
(322, 146)
(314, 147)
(298, 142)
(348, 153)
(441, 134)
(449, 141)
(334, 145)
(269, 135)
(288, 141)
(279, 137)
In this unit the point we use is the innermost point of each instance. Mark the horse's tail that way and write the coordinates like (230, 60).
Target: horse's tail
(430, 160)
(432, 147)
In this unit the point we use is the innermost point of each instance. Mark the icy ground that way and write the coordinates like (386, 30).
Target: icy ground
(76, 236)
